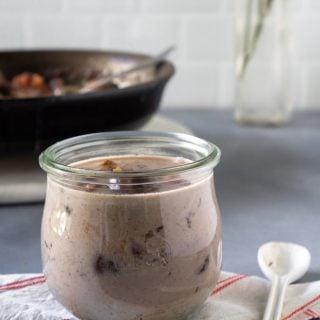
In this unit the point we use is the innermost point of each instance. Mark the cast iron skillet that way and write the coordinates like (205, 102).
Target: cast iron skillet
(38, 122)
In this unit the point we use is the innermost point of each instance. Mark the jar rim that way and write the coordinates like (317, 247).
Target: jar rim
(48, 158)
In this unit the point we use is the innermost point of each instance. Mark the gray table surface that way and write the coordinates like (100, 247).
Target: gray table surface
(268, 186)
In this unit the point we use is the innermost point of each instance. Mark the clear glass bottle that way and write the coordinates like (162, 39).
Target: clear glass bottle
(264, 62)
(141, 244)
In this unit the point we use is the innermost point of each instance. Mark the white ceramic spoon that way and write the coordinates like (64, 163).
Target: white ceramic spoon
(283, 263)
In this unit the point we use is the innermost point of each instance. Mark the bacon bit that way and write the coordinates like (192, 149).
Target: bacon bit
(159, 229)
(22, 80)
(108, 163)
(204, 266)
(46, 244)
(90, 187)
(111, 165)
(148, 235)
(37, 81)
(104, 265)
(117, 169)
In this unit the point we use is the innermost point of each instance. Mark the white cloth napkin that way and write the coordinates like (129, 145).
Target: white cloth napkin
(240, 297)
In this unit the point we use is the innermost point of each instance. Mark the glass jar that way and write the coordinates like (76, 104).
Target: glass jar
(140, 244)
(264, 62)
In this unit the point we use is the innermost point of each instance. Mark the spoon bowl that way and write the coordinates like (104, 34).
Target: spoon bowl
(283, 259)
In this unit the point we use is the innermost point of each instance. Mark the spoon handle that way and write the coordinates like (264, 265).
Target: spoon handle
(283, 284)
(145, 63)
(272, 300)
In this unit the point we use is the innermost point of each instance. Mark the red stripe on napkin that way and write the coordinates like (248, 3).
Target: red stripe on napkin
(311, 313)
(301, 308)
(22, 283)
(228, 279)
(229, 283)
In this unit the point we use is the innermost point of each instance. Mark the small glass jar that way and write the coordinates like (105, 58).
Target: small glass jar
(264, 62)
(136, 245)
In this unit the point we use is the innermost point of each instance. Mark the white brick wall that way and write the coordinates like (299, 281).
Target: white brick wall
(11, 32)
(67, 31)
(179, 6)
(29, 6)
(202, 31)
(139, 32)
